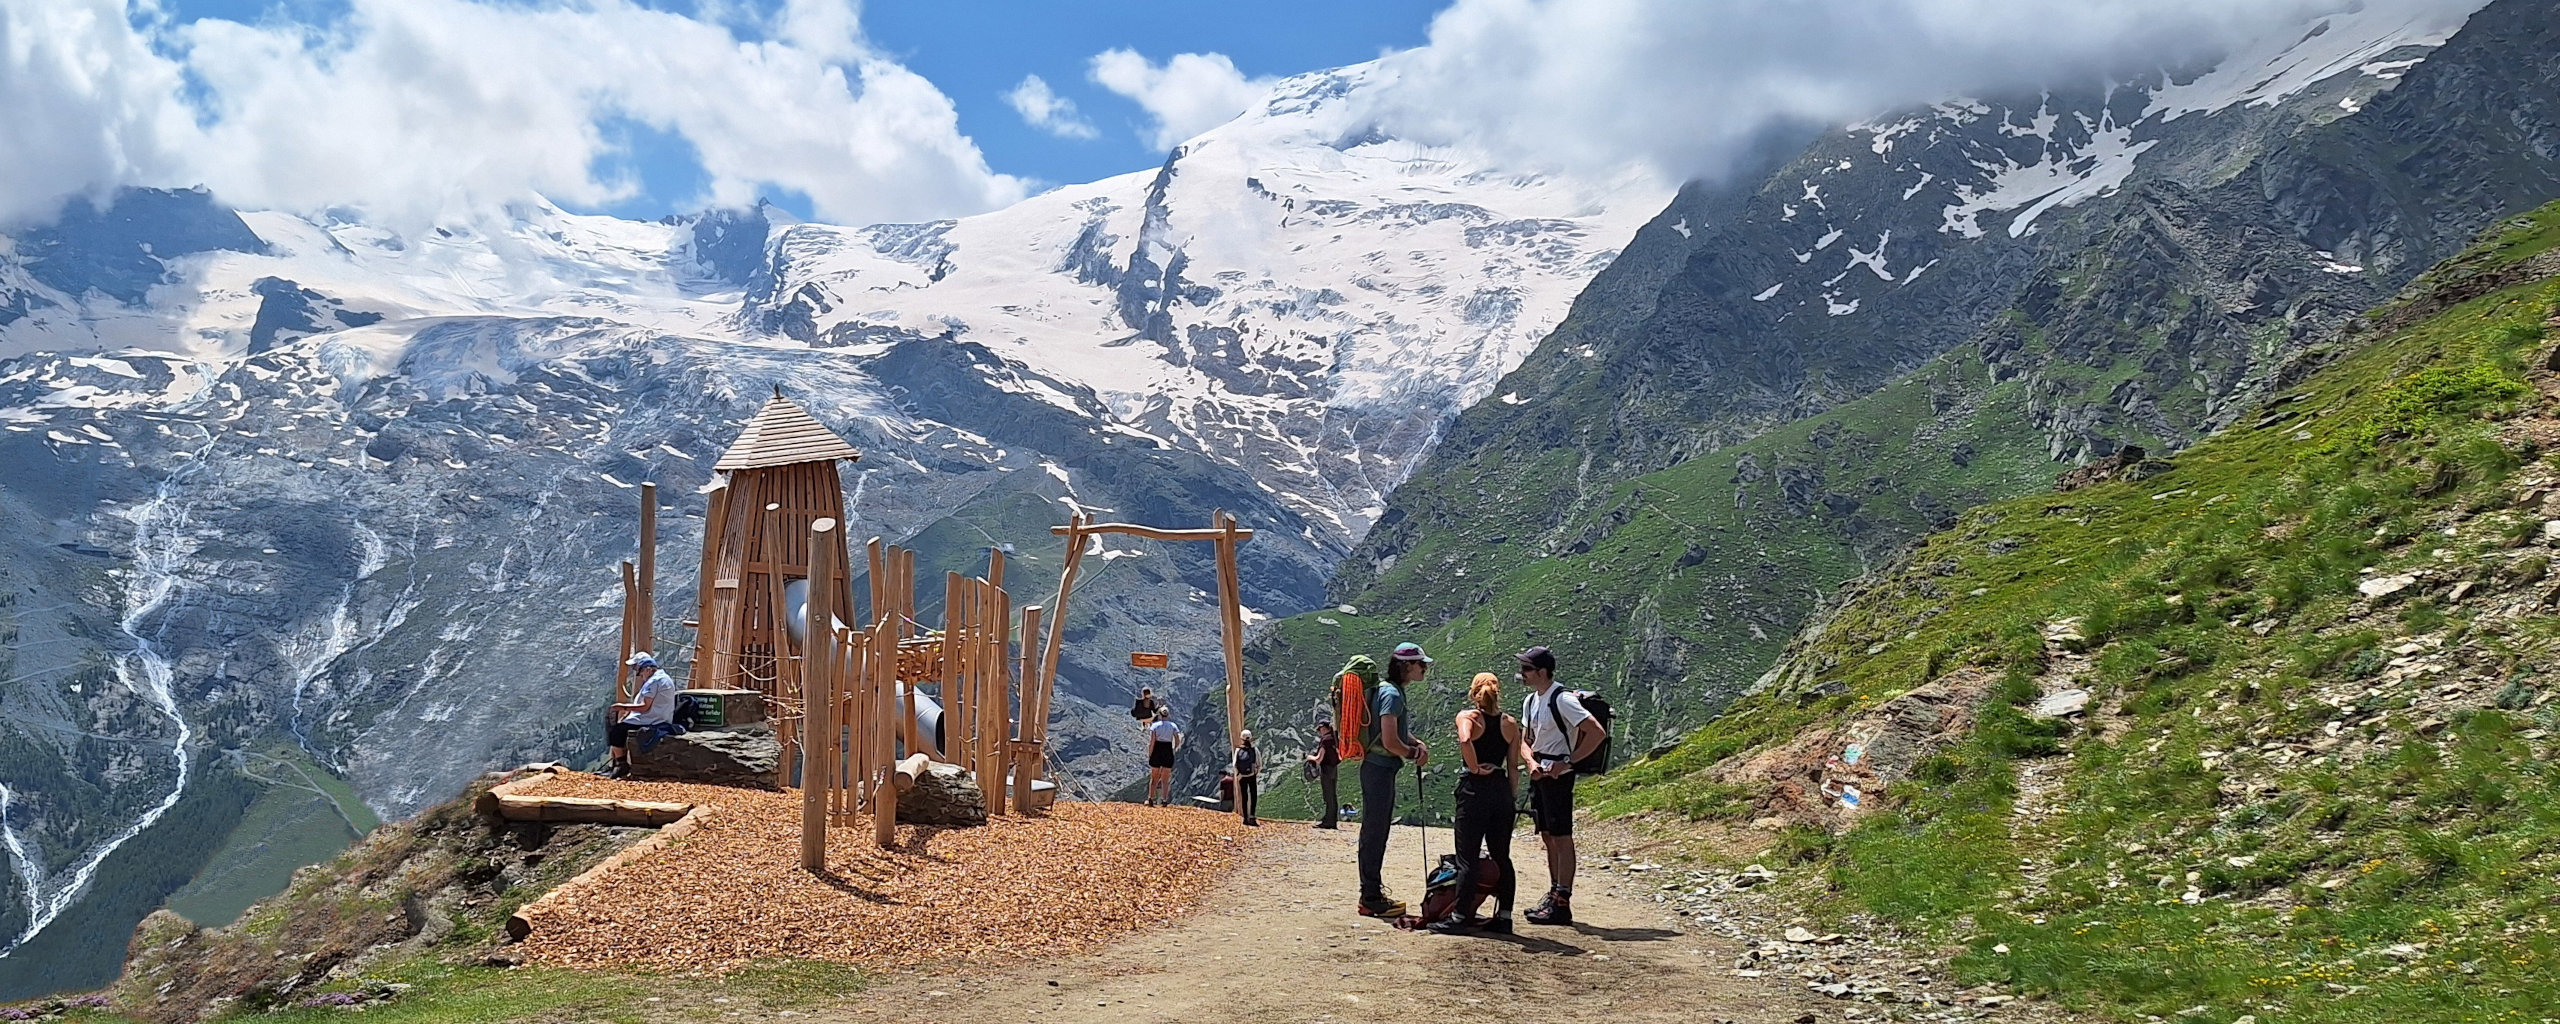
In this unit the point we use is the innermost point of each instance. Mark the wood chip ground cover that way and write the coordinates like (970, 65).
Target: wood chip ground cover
(732, 892)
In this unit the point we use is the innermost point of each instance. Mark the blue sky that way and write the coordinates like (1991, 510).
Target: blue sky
(975, 51)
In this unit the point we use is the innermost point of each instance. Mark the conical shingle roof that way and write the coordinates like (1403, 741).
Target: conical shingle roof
(782, 434)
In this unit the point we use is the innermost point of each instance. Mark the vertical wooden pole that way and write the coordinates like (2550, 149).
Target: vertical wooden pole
(1231, 624)
(786, 676)
(995, 567)
(999, 699)
(647, 638)
(880, 584)
(622, 664)
(1030, 763)
(821, 658)
(1058, 608)
(955, 730)
(884, 684)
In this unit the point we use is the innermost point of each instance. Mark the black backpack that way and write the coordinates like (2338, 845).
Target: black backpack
(1601, 712)
(1248, 761)
(1142, 708)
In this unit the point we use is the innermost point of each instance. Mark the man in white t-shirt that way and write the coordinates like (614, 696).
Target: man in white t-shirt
(1164, 739)
(1556, 731)
(652, 706)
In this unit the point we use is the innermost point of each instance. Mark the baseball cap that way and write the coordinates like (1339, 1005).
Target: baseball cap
(1538, 657)
(642, 658)
(1411, 652)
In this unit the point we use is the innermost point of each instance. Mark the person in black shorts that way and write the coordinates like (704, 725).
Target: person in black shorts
(1557, 731)
(1164, 739)
(1490, 742)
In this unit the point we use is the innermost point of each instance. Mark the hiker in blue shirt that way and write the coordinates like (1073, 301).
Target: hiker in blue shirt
(1388, 735)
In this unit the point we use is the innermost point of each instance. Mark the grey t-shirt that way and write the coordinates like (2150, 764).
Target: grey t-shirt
(1389, 700)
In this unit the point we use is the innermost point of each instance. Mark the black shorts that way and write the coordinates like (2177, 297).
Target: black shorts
(617, 734)
(1551, 805)
(1161, 755)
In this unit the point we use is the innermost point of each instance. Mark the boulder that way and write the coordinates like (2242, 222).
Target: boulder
(749, 757)
(944, 795)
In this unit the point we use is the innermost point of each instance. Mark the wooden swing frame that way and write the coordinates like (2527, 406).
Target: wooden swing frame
(1222, 532)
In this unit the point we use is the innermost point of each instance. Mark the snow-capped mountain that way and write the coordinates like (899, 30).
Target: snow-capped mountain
(361, 491)
(356, 494)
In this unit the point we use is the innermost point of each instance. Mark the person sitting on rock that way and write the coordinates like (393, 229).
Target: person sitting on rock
(651, 707)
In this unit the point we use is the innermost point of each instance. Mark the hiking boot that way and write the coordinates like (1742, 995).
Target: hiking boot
(1498, 925)
(1454, 924)
(1380, 906)
(1551, 911)
(619, 771)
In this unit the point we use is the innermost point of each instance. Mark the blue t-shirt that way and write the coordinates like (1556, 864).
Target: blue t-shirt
(1387, 700)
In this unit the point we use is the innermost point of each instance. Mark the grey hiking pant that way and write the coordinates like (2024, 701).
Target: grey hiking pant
(1377, 812)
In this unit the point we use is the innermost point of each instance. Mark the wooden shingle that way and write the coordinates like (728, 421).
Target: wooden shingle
(782, 434)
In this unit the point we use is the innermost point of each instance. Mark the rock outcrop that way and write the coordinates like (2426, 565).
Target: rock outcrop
(749, 757)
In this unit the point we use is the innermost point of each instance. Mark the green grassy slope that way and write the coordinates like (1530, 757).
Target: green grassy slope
(1763, 532)
(2316, 784)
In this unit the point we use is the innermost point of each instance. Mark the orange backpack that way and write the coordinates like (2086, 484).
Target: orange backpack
(1353, 715)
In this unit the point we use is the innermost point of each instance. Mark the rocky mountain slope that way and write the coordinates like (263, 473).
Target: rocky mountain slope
(351, 495)
(1784, 381)
(2265, 728)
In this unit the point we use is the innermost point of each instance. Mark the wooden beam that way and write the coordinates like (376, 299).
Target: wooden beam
(520, 924)
(995, 567)
(1151, 532)
(594, 810)
(1035, 702)
(815, 778)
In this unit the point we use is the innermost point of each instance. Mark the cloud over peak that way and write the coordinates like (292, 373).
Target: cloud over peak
(1689, 86)
(1188, 94)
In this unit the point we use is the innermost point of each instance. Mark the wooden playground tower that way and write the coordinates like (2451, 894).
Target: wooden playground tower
(774, 593)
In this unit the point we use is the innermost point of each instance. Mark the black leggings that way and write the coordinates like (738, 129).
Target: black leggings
(1484, 822)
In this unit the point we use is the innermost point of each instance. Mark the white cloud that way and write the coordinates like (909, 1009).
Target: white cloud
(1186, 95)
(421, 109)
(1042, 108)
(1690, 85)
(89, 106)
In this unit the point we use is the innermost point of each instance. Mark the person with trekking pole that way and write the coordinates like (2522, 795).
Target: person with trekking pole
(1388, 736)
(1556, 733)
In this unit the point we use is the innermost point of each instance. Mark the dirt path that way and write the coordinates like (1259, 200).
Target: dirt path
(1278, 942)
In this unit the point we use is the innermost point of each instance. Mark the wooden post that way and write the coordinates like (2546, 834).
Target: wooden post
(1035, 711)
(1231, 624)
(710, 634)
(1058, 608)
(622, 664)
(821, 657)
(1033, 716)
(879, 583)
(647, 638)
(999, 699)
(876, 771)
(995, 567)
(955, 730)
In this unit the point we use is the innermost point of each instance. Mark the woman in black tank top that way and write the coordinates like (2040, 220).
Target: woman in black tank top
(1490, 742)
